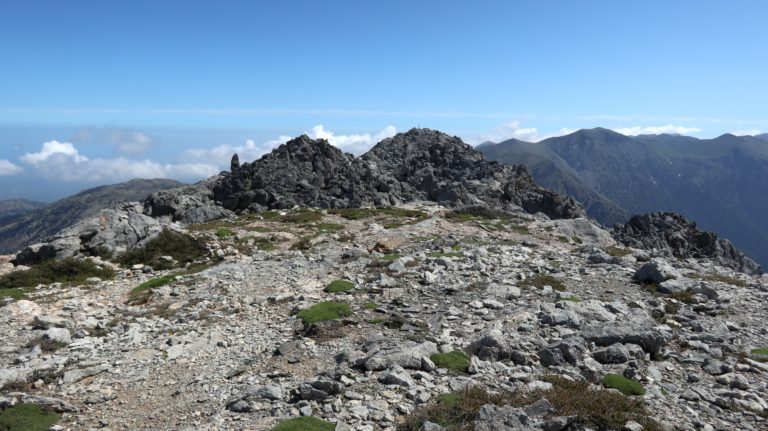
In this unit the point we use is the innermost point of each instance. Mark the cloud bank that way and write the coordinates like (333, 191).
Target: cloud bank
(514, 130)
(251, 150)
(63, 161)
(7, 168)
(657, 130)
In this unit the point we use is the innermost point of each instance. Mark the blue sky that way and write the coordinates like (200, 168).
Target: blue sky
(94, 92)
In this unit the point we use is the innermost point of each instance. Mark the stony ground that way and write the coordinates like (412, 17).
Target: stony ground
(528, 298)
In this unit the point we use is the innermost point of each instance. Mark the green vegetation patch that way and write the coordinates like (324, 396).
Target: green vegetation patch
(224, 232)
(370, 306)
(760, 351)
(624, 385)
(12, 292)
(306, 423)
(70, 271)
(301, 216)
(148, 285)
(456, 361)
(27, 417)
(363, 213)
(616, 251)
(454, 411)
(439, 254)
(390, 257)
(326, 310)
(182, 247)
(540, 280)
(339, 286)
(478, 212)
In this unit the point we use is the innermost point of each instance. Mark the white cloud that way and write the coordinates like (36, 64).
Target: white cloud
(54, 149)
(7, 168)
(130, 142)
(657, 130)
(250, 151)
(356, 144)
(62, 161)
(512, 129)
(748, 132)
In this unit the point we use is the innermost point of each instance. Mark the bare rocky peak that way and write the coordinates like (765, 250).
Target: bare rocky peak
(421, 164)
(671, 234)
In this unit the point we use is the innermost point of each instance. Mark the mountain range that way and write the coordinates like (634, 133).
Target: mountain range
(722, 183)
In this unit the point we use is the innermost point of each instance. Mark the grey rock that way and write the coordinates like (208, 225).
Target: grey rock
(656, 271)
(674, 235)
(396, 376)
(58, 335)
(506, 418)
(569, 351)
(640, 332)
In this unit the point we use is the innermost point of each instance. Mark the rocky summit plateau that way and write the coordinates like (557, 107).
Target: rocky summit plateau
(416, 287)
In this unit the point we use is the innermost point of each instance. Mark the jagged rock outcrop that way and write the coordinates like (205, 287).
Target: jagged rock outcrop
(188, 204)
(37, 224)
(421, 164)
(116, 230)
(671, 234)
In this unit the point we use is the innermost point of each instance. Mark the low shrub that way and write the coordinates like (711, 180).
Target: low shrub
(616, 251)
(27, 417)
(723, 279)
(363, 213)
(326, 310)
(456, 361)
(540, 280)
(182, 247)
(70, 271)
(339, 286)
(455, 411)
(624, 385)
(141, 291)
(306, 423)
(304, 215)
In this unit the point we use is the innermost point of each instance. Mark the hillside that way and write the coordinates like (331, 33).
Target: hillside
(10, 208)
(721, 183)
(32, 226)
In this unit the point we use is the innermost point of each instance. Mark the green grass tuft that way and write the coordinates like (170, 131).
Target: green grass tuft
(339, 286)
(304, 215)
(618, 251)
(370, 306)
(70, 271)
(438, 254)
(306, 423)
(27, 417)
(148, 285)
(456, 361)
(12, 292)
(224, 232)
(760, 351)
(624, 385)
(327, 310)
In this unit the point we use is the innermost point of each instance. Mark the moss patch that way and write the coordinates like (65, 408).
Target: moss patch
(624, 385)
(339, 286)
(69, 271)
(27, 417)
(326, 310)
(456, 361)
(306, 423)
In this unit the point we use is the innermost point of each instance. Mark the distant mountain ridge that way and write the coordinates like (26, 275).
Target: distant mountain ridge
(32, 226)
(722, 183)
(10, 208)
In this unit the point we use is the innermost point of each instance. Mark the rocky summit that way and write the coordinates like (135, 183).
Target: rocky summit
(417, 287)
(421, 164)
